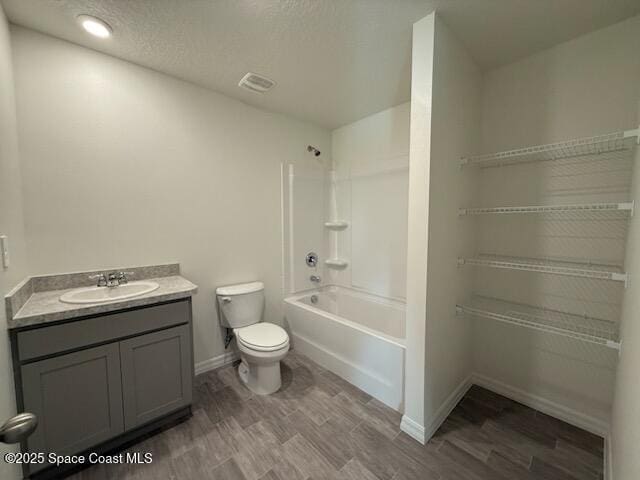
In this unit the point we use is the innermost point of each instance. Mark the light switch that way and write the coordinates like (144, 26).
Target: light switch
(4, 250)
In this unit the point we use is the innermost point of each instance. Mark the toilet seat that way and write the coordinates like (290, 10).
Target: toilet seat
(262, 337)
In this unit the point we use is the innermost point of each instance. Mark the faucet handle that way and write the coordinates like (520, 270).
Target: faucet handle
(101, 277)
(122, 276)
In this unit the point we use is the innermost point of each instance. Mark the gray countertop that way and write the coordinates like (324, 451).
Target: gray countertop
(40, 307)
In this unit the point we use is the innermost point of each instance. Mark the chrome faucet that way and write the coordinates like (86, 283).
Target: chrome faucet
(315, 279)
(112, 279)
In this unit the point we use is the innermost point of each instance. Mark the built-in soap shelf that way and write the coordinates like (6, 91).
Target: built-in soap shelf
(336, 225)
(336, 263)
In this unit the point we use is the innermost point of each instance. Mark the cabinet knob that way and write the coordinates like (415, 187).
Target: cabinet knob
(18, 428)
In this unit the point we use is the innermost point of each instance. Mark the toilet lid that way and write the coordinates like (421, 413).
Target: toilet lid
(262, 336)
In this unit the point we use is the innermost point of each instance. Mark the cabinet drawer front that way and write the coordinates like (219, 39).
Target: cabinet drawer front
(77, 398)
(53, 339)
(157, 374)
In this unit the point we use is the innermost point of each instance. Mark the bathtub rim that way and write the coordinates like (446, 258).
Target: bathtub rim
(294, 300)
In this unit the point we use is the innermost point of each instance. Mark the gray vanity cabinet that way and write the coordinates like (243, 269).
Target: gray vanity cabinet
(156, 374)
(104, 380)
(77, 398)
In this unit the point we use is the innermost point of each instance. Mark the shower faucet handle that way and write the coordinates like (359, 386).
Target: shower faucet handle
(315, 279)
(311, 259)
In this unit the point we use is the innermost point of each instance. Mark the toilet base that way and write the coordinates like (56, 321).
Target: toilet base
(261, 379)
(243, 371)
(260, 371)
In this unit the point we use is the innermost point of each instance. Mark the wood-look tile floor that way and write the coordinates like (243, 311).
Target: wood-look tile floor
(320, 427)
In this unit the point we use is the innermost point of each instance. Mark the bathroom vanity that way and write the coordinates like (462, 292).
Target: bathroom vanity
(100, 375)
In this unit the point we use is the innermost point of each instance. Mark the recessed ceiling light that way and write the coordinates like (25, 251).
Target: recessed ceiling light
(95, 26)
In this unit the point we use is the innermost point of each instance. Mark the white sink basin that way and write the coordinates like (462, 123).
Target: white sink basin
(108, 294)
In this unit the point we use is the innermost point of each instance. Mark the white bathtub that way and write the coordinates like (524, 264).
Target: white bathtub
(357, 336)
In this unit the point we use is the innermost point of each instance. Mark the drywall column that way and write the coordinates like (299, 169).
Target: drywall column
(11, 224)
(455, 127)
(445, 120)
(623, 462)
(413, 420)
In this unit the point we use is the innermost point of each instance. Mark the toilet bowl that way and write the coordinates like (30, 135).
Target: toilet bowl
(261, 353)
(261, 344)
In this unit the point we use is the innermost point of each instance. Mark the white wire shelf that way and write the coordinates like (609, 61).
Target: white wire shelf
(588, 146)
(567, 268)
(583, 207)
(581, 327)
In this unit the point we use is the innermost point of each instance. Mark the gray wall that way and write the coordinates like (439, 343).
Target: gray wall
(625, 429)
(125, 166)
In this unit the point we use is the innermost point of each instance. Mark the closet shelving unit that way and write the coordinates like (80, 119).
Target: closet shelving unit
(604, 332)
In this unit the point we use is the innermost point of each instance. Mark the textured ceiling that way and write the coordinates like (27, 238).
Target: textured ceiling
(334, 61)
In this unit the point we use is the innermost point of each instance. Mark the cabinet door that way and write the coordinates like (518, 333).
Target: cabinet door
(77, 398)
(157, 375)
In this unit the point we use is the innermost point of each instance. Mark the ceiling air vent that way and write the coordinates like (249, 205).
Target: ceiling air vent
(256, 83)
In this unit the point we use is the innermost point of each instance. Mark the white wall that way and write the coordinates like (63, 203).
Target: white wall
(370, 191)
(126, 166)
(625, 428)
(455, 124)
(584, 87)
(11, 224)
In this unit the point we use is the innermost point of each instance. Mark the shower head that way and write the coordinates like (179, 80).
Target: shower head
(313, 150)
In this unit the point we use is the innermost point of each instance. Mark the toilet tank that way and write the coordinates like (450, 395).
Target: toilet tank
(240, 305)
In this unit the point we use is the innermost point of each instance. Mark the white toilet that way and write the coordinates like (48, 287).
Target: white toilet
(262, 345)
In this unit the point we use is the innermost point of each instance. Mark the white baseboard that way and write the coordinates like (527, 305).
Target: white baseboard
(422, 434)
(551, 408)
(447, 406)
(413, 429)
(216, 362)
